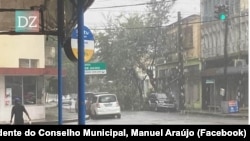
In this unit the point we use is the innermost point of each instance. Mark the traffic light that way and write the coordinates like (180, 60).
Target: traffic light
(221, 12)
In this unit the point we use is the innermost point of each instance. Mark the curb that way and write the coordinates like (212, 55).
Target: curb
(217, 114)
(55, 122)
(52, 122)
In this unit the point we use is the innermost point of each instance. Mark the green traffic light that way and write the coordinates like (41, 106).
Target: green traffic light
(223, 16)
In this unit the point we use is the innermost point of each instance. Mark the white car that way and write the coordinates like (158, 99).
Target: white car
(105, 104)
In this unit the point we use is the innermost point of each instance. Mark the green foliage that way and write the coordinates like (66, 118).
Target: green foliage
(128, 46)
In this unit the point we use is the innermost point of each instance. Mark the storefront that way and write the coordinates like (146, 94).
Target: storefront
(28, 84)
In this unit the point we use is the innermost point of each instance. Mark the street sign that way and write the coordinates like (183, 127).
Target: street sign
(95, 68)
(27, 21)
(209, 81)
(88, 43)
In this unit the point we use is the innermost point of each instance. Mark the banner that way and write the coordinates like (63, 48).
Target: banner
(187, 132)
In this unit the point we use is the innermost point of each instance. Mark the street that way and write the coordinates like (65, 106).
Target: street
(162, 118)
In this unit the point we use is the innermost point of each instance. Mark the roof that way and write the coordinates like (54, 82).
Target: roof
(30, 71)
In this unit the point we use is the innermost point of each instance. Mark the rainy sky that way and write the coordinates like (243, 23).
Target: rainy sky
(94, 16)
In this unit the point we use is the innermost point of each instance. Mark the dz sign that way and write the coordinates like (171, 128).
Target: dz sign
(27, 21)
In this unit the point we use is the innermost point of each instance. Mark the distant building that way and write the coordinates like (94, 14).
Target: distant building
(167, 66)
(212, 51)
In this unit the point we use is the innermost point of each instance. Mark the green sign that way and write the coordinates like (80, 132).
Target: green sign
(95, 68)
(210, 81)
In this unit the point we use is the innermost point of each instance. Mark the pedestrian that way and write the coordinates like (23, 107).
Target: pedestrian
(17, 110)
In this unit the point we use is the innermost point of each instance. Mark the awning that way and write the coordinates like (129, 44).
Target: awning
(31, 71)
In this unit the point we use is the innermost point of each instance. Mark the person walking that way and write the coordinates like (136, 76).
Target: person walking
(17, 110)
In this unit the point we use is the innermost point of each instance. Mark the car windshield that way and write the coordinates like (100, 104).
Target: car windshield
(107, 98)
(161, 96)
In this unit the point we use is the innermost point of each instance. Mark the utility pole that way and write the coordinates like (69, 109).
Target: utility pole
(180, 65)
(225, 58)
(221, 13)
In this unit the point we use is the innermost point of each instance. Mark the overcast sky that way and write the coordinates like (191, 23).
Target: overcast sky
(94, 17)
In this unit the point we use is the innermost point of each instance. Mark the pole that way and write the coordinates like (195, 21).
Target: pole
(225, 59)
(81, 71)
(60, 21)
(180, 60)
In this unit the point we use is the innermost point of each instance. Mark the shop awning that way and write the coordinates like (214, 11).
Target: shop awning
(30, 71)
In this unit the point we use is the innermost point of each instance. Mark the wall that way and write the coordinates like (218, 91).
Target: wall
(21, 46)
(35, 111)
(32, 110)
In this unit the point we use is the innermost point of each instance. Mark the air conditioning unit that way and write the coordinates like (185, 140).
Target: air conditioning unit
(239, 63)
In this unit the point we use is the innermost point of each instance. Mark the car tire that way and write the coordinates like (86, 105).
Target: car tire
(94, 116)
(118, 116)
(150, 107)
(156, 109)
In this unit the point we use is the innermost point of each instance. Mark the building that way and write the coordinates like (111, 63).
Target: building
(167, 67)
(26, 62)
(23, 73)
(224, 72)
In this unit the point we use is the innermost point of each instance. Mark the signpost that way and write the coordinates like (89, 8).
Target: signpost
(95, 68)
(88, 43)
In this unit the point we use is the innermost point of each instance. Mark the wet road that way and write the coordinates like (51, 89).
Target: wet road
(163, 118)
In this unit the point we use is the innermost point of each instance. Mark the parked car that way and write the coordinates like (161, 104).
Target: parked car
(105, 104)
(88, 99)
(162, 101)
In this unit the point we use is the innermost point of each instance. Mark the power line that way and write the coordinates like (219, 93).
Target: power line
(132, 28)
(129, 5)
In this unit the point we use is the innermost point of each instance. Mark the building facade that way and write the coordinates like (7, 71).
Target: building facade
(225, 62)
(23, 73)
(167, 67)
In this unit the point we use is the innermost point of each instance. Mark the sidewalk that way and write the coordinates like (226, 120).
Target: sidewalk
(240, 114)
(51, 117)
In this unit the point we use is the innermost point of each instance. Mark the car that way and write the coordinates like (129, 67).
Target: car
(158, 101)
(88, 98)
(105, 104)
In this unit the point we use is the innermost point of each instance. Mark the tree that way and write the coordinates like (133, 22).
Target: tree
(131, 44)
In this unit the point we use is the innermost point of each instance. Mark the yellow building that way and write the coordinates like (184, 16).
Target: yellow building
(25, 61)
(167, 67)
(22, 74)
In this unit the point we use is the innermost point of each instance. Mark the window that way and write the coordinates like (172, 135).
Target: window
(107, 99)
(13, 86)
(29, 90)
(23, 87)
(28, 63)
(23, 63)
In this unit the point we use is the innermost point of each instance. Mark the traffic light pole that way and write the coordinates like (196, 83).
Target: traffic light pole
(225, 59)
(221, 13)
(180, 66)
